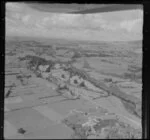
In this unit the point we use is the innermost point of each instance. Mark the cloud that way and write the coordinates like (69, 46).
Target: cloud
(71, 21)
(13, 6)
(132, 25)
(99, 24)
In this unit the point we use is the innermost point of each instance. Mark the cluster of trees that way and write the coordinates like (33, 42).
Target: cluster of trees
(107, 128)
(134, 73)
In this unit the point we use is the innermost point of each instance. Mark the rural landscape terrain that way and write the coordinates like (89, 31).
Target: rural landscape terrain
(58, 89)
(73, 71)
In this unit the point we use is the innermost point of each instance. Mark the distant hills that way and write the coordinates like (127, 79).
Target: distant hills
(67, 42)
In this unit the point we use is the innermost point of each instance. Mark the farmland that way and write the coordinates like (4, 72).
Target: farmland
(56, 89)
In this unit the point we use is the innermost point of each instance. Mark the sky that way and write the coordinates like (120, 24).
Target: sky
(22, 20)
